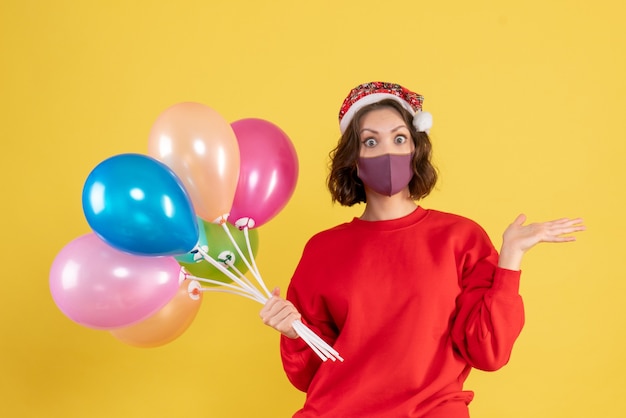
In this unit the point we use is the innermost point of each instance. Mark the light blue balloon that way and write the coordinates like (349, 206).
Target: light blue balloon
(138, 205)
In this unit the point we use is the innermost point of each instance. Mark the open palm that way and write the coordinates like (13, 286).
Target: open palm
(519, 238)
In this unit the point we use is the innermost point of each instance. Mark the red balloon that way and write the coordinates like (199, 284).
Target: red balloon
(267, 175)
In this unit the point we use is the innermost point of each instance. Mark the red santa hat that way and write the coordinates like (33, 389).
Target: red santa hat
(369, 93)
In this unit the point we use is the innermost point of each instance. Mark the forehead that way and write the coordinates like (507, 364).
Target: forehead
(385, 118)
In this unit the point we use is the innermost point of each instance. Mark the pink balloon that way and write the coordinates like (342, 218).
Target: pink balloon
(100, 287)
(268, 172)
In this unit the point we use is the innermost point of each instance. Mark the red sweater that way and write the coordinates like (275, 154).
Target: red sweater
(411, 304)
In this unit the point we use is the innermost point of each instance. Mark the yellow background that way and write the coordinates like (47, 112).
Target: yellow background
(528, 101)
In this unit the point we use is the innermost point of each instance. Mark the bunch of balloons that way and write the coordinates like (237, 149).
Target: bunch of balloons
(175, 223)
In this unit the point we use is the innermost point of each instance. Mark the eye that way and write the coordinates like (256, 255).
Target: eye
(370, 142)
(400, 139)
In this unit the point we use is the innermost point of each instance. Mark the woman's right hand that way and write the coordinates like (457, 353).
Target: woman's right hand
(279, 314)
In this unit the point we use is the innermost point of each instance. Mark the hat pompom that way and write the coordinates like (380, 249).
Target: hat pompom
(423, 121)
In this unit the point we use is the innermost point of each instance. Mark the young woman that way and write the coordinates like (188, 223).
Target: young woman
(412, 298)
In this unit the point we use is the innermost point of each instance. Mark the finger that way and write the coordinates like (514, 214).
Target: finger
(577, 222)
(283, 318)
(271, 305)
(287, 314)
(275, 295)
(566, 221)
(568, 238)
(562, 234)
(566, 228)
(279, 309)
(571, 229)
(521, 218)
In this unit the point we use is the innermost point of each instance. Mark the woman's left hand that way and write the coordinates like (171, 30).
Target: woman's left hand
(519, 238)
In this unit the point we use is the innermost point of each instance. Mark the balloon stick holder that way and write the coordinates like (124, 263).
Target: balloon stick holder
(242, 286)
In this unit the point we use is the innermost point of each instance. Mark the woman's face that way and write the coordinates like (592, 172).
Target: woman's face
(383, 131)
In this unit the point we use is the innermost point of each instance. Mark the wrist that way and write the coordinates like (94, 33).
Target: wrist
(510, 259)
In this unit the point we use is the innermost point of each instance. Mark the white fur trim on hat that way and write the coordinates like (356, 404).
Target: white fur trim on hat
(368, 100)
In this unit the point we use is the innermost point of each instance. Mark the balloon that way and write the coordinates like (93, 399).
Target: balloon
(138, 205)
(219, 246)
(100, 287)
(200, 146)
(268, 173)
(169, 323)
(194, 256)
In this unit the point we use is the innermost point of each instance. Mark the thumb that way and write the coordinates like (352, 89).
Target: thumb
(521, 218)
(276, 291)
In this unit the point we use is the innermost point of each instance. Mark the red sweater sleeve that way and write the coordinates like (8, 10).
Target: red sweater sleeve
(490, 312)
(299, 361)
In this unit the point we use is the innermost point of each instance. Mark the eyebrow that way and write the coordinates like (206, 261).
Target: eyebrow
(374, 131)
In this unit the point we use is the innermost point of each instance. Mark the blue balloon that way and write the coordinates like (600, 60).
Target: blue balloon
(202, 242)
(138, 205)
